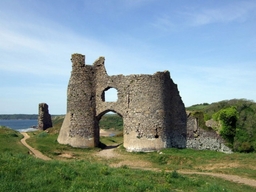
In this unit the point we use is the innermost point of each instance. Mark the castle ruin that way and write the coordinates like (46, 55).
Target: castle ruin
(44, 118)
(153, 113)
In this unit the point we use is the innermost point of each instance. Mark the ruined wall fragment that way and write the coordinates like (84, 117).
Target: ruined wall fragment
(44, 118)
(202, 139)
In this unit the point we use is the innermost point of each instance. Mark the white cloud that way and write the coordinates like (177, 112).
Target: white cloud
(15, 41)
(164, 23)
(23, 49)
(230, 13)
(177, 19)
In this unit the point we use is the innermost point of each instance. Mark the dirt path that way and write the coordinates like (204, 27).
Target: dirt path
(233, 178)
(110, 153)
(37, 153)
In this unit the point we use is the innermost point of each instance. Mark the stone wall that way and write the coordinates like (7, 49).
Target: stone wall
(44, 118)
(200, 139)
(152, 110)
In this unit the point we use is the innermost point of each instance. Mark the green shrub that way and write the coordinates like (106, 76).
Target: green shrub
(175, 174)
(42, 134)
(228, 118)
(109, 121)
(245, 147)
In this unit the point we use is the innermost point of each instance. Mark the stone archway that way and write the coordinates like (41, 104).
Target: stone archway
(98, 117)
(113, 127)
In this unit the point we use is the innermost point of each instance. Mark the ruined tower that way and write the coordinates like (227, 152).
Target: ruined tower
(152, 110)
(44, 118)
(78, 128)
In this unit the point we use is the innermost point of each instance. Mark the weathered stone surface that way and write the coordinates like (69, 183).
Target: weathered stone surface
(44, 118)
(201, 139)
(153, 113)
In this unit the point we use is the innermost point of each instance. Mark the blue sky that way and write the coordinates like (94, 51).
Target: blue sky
(209, 47)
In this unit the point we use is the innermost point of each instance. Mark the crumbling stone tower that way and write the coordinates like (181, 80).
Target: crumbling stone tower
(44, 118)
(153, 113)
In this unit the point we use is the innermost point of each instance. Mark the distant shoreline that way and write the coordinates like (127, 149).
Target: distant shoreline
(22, 116)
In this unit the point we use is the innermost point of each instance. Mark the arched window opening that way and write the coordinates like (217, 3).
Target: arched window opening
(110, 95)
(111, 129)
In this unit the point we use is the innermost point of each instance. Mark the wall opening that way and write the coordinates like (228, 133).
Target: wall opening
(111, 129)
(110, 94)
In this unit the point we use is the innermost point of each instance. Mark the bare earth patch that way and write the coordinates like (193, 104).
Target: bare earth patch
(66, 155)
(107, 133)
(108, 153)
(133, 164)
(210, 167)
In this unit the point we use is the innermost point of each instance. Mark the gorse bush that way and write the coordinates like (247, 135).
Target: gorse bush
(175, 174)
(228, 119)
(42, 134)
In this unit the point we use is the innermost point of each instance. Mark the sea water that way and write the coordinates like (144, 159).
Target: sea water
(23, 125)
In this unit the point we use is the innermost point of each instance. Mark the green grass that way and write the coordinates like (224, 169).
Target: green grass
(10, 141)
(210, 161)
(19, 172)
(47, 143)
(197, 107)
(169, 159)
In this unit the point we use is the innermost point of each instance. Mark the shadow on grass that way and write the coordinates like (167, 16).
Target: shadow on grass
(104, 146)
